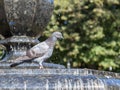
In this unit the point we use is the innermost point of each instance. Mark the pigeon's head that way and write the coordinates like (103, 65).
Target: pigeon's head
(58, 35)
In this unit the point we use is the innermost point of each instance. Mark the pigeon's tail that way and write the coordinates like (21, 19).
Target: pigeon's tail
(16, 64)
(21, 60)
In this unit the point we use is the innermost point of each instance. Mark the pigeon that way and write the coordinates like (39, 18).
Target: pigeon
(40, 52)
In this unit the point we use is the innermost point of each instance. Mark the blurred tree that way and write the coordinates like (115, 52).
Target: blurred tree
(91, 30)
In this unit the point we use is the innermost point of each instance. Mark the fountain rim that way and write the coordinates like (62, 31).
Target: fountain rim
(19, 39)
(71, 71)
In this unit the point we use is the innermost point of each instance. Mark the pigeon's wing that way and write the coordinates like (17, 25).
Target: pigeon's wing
(21, 58)
(40, 49)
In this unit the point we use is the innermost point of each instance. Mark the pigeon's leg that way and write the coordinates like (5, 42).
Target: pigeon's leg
(40, 61)
(41, 64)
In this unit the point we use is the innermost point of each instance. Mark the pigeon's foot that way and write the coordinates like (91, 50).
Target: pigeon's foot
(40, 61)
(41, 67)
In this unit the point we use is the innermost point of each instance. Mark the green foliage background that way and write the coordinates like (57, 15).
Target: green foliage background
(91, 30)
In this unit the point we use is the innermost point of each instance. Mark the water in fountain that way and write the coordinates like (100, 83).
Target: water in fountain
(59, 79)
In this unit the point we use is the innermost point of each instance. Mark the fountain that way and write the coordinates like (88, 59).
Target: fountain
(25, 21)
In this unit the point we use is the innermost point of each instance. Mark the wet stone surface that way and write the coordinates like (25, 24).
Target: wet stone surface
(55, 79)
(31, 65)
(46, 81)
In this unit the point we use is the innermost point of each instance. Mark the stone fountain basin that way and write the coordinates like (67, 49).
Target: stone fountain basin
(58, 79)
(27, 17)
